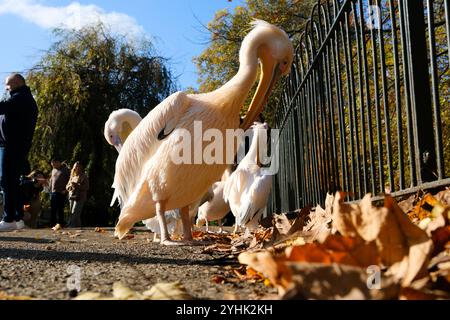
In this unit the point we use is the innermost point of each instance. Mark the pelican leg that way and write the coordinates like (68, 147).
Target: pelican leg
(235, 229)
(187, 225)
(165, 238)
(207, 225)
(221, 226)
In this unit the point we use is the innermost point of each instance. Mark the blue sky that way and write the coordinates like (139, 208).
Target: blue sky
(173, 25)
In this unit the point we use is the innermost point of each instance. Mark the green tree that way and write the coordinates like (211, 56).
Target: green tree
(83, 77)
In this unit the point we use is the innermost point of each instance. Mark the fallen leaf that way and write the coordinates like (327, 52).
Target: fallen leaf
(57, 227)
(167, 291)
(272, 269)
(5, 296)
(408, 204)
(282, 223)
(89, 296)
(218, 279)
(300, 221)
(218, 247)
(335, 281)
(444, 197)
(413, 294)
(440, 237)
(122, 292)
(318, 227)
(413, 239)
(100, 230)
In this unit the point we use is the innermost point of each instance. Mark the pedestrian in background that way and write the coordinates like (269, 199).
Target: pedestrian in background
(58, 182)
(77, 187)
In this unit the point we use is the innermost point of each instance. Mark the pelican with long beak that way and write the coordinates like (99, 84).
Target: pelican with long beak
(148, 181)
(119, 126)
(247, 189)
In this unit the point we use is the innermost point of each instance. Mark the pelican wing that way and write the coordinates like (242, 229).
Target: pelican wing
(234, 186)
(254, 199)
(143, 142)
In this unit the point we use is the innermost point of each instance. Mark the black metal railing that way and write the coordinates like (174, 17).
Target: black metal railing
(367, 104)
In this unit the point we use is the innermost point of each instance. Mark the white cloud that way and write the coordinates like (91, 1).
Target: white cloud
(73, 16)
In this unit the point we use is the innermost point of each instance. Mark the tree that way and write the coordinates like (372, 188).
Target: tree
(83, 77)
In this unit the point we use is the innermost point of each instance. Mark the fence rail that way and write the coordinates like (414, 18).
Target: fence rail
(367, 104)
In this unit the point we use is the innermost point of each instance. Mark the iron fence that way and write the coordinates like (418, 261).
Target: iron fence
(367, 104)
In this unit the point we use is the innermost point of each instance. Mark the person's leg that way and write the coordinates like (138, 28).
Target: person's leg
(61, 203)
(76, 213)
(53, 208)
(10, 185)
(71, 207)
(35, 210)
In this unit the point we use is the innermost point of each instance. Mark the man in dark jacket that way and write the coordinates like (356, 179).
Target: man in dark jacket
(18, 116)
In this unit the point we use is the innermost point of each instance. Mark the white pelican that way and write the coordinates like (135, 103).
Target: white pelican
(117, 129)
(216, 208)
(119, 126)
(147, 181)
(248, 188)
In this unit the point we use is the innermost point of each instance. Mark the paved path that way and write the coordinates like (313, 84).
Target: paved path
(39, 263)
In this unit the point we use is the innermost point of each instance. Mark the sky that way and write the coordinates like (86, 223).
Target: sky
(175, 27)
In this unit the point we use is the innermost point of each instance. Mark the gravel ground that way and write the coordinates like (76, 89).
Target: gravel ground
(39, 263)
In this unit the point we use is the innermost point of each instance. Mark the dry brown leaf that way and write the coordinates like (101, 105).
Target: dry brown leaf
(218, 247)
(300, 222)
(5, 296)
(198, 234)
(89, 295)
(403, 246)
(272, 269)
(336, 249)
(100, 230)
(422, 210)
(413, 240)
(218, 279)
(444, 197)
(160, 291)
(122, 292)
(318, 227)
(282, 223)
(440, 237)
(408, 204)
(358, 220)
(167, 291)
(413, 294)
(335, 281)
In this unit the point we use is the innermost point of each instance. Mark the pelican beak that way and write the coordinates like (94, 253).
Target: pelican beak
(270, 74)
(117, 143)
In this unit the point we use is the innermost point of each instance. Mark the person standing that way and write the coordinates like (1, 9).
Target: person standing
(18, 116)
(78, 186)
(58, 181)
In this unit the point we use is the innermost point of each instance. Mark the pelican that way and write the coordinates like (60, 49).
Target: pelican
(147, 181)
(248, 188)
(119, 126)
(216, 208)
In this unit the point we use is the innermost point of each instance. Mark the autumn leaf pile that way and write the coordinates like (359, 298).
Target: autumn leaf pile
(357, 251)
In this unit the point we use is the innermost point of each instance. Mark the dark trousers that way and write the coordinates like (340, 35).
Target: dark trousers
(57, 202)
(11, 167)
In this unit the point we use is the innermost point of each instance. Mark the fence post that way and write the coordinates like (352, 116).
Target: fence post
(422, 110)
